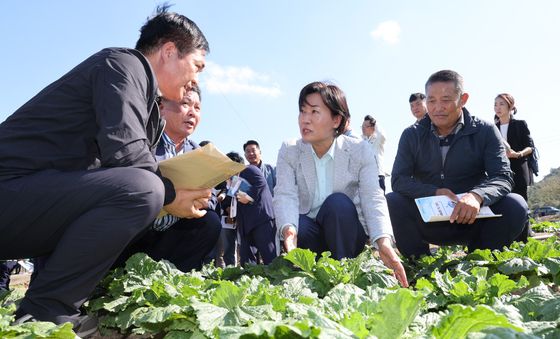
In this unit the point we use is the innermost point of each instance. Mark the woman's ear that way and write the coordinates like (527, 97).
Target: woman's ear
(337, 120)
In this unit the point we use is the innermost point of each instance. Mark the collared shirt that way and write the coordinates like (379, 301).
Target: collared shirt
(446, 140)
(324, 168)
(167, 149)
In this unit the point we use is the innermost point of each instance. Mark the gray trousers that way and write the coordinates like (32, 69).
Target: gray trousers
(79, 222)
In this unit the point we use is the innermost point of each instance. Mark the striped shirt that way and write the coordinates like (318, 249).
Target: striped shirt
(166, 149)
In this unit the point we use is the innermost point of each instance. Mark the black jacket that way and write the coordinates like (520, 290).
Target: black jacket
(519, 137)
(102, 113)
(260, 211)
(476, 162)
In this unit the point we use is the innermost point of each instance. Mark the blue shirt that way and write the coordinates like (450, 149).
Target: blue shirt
(167, 149)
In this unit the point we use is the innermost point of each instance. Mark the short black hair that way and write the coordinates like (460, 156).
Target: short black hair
(234, 156)
(447, 75)
(371, 120)
(196, 89)
(251, 142)
(416, 96)
(204, 143)
(166, 27)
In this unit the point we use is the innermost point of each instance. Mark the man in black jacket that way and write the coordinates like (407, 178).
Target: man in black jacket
(78, 179)
(447, 153)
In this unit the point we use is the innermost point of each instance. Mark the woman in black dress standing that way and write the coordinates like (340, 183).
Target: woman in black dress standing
(519, 145)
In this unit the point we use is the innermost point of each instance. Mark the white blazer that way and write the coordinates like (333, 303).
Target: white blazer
(355, 174)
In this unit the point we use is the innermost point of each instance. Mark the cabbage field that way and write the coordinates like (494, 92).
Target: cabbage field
(512, 293)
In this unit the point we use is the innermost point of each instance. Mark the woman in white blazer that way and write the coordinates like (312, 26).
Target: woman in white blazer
(327, 196)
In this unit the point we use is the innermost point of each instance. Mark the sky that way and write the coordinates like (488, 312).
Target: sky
(262, 53)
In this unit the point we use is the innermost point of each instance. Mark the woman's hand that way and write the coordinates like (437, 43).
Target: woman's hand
(511, 154)
(290, 238)
(244, 198)
(391, 260)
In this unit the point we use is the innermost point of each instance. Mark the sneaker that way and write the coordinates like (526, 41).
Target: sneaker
(84, 325)
(26, 318)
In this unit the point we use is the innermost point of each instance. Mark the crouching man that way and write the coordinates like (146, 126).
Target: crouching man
(448, 153)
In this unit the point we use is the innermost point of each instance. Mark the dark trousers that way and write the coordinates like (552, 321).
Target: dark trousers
(79, 222)
(413, 235)
(185, 244)
(227, 246)
(336, 229)
(262, 239)
(6, 268)
(382, 183)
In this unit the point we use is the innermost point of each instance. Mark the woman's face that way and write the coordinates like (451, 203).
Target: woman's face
(316, 123)
(501, 108)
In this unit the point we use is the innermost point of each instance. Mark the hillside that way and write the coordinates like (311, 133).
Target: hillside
(547, 191)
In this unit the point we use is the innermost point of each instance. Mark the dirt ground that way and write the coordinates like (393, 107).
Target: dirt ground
(20, 280)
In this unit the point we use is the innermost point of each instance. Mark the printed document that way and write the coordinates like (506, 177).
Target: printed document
(440, 207)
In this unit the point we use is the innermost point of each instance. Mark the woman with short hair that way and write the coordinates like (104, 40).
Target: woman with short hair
(327, 196)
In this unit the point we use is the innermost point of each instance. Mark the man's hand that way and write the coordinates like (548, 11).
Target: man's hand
(290, 238)
(391, 260)
(447, 192)
(189, 203)
(466, 210)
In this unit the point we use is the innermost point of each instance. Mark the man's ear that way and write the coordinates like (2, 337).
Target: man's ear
(167, 50)
(463, 99)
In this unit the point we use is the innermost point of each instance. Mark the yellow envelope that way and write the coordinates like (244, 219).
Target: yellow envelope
(203, 167)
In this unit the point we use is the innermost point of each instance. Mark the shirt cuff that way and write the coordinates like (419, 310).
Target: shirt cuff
(281, 230)
(382, 235)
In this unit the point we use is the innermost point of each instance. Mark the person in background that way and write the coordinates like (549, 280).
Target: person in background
(255, 217)
(372, 133)
(253, 155)
(6, 269)
(519, 146)
(418, 105)
(328, 196)
(225, 251)
(349, 132)
(185, 242)
(447, 153)
(78, 179)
